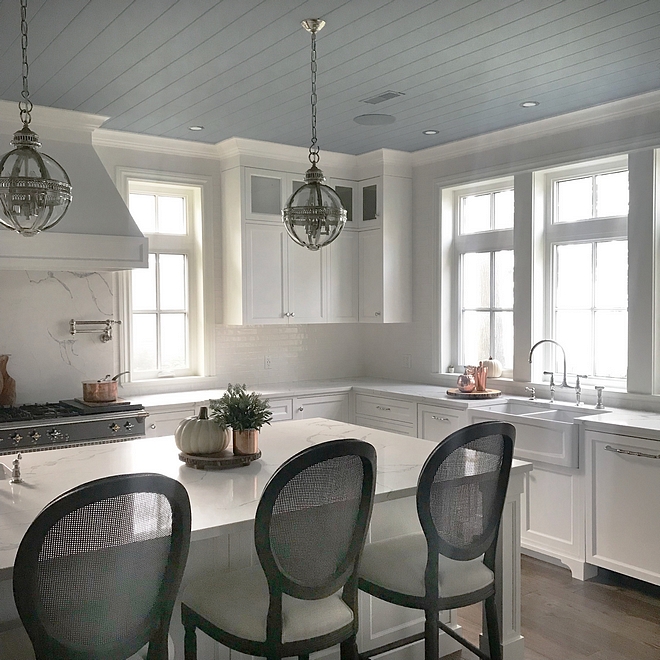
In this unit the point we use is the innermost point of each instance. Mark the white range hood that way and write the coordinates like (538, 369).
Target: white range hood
(97, 232)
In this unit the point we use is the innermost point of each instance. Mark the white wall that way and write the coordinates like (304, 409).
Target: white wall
(623, 127)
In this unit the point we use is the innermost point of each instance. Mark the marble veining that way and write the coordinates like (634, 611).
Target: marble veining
(221, 500)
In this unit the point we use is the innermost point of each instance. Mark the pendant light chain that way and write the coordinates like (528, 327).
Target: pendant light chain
(313, 149)
(25, 106)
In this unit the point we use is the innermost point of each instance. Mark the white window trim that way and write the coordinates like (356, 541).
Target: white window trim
(201, 276)
(452, 245)
(590, 230)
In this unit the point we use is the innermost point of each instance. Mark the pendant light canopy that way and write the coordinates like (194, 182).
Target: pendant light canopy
(313, 215)
(35, 191)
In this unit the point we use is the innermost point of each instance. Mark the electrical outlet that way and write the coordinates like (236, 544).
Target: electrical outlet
(407, 361)
(267, 362)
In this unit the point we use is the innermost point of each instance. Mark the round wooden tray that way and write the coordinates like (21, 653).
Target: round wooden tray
(488, 394)
(218, 461)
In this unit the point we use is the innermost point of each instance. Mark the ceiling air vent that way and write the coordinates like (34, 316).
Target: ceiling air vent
(385, 96)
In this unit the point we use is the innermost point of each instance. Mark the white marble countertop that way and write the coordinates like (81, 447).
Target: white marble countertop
(614, 420)
(220, 499)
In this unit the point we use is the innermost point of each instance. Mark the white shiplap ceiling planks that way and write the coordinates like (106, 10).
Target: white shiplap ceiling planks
(241, 67)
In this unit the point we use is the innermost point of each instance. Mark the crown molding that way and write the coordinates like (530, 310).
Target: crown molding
(629, 108)
(104, 137)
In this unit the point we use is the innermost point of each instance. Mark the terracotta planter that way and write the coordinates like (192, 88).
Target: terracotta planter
(246, 442)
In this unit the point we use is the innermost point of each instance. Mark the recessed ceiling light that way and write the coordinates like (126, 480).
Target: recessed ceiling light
(195, 128)
(430, 131)
(529, 104)
(374, 120)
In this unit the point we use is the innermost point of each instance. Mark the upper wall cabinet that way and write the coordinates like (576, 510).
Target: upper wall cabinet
(385, 250)
(365, 275)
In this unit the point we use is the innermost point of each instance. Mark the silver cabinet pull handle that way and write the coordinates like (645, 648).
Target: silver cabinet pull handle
(300, 409)
(382, 408)
(441, 419)
(628, 452)
(377, 314)
(292, 314)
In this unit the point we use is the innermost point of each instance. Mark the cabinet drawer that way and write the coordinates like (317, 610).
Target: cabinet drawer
(328, 406)
(437, 422)
(385, 425)
(166, 421)
(282, 409)
(383, 408)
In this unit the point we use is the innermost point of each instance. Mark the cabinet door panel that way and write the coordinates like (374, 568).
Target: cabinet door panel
(333, 406)
(623, 523)
(306, 284)
(371, 276)
(343, 278)
(266, 289)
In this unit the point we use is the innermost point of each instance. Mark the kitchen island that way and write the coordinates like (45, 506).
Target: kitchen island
(224, 505)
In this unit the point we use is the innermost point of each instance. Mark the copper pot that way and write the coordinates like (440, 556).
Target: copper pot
(101, 391)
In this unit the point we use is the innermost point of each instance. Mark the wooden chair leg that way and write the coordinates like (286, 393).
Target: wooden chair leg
(190, 643)
(348, 649)
(493, 628)
(431, 631)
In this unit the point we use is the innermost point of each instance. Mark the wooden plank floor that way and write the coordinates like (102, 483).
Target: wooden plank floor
(611, 617)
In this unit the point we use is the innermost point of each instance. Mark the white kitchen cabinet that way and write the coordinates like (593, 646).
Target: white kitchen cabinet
(623, 519)
(553, 501)
(343, 278)
(386, 414)
(385, 250)
(328, 406)
(436, 422)
(285, 283)
(164, 420)
(348, 193)
(282, 408)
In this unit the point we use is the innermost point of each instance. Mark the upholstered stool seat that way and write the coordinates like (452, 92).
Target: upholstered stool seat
(238, 603)
(398, 565)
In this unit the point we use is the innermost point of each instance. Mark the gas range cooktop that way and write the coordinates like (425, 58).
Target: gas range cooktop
(71, 422)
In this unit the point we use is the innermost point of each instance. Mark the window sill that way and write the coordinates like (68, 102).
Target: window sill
(162, 385)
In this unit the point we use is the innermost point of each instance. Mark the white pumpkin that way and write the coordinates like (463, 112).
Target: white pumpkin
(494, 367)
(201, 435)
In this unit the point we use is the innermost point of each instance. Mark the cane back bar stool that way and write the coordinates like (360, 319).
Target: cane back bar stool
(98, 570)
(450, 563)
(310, 528)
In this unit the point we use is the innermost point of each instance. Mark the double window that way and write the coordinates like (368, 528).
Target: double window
(165, 302)
(581, 239)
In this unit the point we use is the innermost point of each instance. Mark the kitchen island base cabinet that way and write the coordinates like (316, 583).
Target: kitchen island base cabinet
(623, 520)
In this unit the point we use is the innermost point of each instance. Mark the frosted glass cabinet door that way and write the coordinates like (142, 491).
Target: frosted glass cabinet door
(266, 194)
(265, 269)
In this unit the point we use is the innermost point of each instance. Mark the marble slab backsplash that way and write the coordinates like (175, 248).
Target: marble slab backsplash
(46, 361)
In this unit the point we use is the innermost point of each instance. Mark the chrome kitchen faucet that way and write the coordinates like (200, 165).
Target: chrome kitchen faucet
(552, 341)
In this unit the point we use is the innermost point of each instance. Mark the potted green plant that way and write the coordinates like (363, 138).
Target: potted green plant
(245, 412)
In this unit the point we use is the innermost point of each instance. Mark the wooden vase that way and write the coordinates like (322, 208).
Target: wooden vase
(8, 387)
(246, 442)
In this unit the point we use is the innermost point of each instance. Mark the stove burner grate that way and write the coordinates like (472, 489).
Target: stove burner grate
(35, 411)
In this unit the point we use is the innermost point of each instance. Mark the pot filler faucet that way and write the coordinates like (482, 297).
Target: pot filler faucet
(552, 341)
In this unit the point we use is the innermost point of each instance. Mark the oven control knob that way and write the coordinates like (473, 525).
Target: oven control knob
(128, 425)
(16, 437)
(55, 435)
(114, 427)
(35, 435)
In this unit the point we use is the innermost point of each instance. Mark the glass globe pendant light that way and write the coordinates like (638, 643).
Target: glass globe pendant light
(35, 191)
(313, 215)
